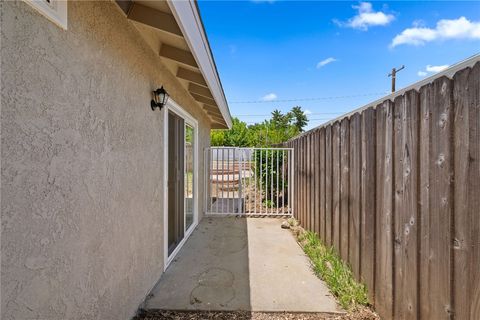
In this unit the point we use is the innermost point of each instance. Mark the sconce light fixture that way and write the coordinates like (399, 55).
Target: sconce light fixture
(160, 98)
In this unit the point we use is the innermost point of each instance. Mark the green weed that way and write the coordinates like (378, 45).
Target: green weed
(336, 273)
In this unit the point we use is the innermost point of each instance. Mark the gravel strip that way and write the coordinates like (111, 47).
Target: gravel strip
(362, 314)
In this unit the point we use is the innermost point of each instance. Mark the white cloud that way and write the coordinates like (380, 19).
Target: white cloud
(431, 69)
(269, 97)
(367, 17)
(436, 69)
(325, 62)
(460, 28)
(307, 112)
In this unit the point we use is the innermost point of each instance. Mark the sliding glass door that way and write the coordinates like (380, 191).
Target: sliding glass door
(181, 179)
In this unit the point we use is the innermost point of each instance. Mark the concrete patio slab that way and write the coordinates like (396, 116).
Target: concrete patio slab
(236, 263)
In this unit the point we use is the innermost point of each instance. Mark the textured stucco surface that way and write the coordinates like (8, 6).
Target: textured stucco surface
(81, 163)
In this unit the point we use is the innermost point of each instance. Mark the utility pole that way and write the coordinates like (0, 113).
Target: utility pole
(394, 76)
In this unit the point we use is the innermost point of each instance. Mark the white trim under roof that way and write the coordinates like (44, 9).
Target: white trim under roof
(188, 19)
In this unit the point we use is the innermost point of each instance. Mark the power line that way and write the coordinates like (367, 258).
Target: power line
(311, 99)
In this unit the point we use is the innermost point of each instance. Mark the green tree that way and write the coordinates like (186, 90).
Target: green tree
(238, 136)
(300, 118)
(217, 137)
(276, 130)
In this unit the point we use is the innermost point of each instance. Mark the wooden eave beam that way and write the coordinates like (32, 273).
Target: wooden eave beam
(217, 120)
(195, 88)
(217, 125)
(154, 18)
(211, 108)
(177, 54)
(213, 112)
(203, 99)
(191, 76)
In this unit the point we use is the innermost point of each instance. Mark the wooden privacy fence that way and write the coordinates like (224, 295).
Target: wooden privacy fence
(395, 189)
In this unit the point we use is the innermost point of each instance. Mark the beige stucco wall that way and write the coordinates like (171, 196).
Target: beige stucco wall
(81, 164)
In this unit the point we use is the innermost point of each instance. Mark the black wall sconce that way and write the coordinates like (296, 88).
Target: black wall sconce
(160, 98)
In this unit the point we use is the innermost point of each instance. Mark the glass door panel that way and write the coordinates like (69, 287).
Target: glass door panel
(176, 203)
(189, 175)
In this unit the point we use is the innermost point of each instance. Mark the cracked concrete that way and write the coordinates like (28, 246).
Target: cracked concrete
(248, 264)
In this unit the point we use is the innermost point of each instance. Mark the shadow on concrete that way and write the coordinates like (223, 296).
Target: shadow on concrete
(211, 272)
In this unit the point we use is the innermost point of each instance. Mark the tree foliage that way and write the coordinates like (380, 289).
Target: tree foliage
(278, 129)
(300, 118)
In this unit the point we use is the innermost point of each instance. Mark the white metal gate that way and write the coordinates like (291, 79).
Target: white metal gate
(249, 181)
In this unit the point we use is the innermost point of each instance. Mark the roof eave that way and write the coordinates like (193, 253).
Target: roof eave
(188, 18)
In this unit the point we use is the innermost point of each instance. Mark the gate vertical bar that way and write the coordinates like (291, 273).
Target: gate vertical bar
(255, 178)
(233, 182)
(261, 180)
(205, 186)
(264, 181)
(271, 181)
(283, 181)
(289, 189)
(291, 178)
(209, 181)
(276, 173)
(250, 180)
(223, 178)
(228, 181)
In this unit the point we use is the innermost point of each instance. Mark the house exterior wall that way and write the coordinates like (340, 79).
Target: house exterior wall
(81, 163)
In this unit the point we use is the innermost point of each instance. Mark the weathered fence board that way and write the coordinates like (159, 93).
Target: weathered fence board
(344, 187)
(441, 174)
(384, 200)
(424, 163)
(307, 201)
(301, 182)
(322, 176)
(316, 172)
(336, 185)
(406, 110)
(355, 161)
(473, 191)
(395, 189)
(304, 183)
(368, 201)
(328, 186)
(312, 191)
(466, 185)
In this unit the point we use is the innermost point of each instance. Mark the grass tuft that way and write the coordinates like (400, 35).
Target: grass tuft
(335, 272)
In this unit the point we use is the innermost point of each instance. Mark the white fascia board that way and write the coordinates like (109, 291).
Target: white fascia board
(188, 19)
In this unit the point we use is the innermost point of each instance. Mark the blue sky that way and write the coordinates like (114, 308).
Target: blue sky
(272, 51)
